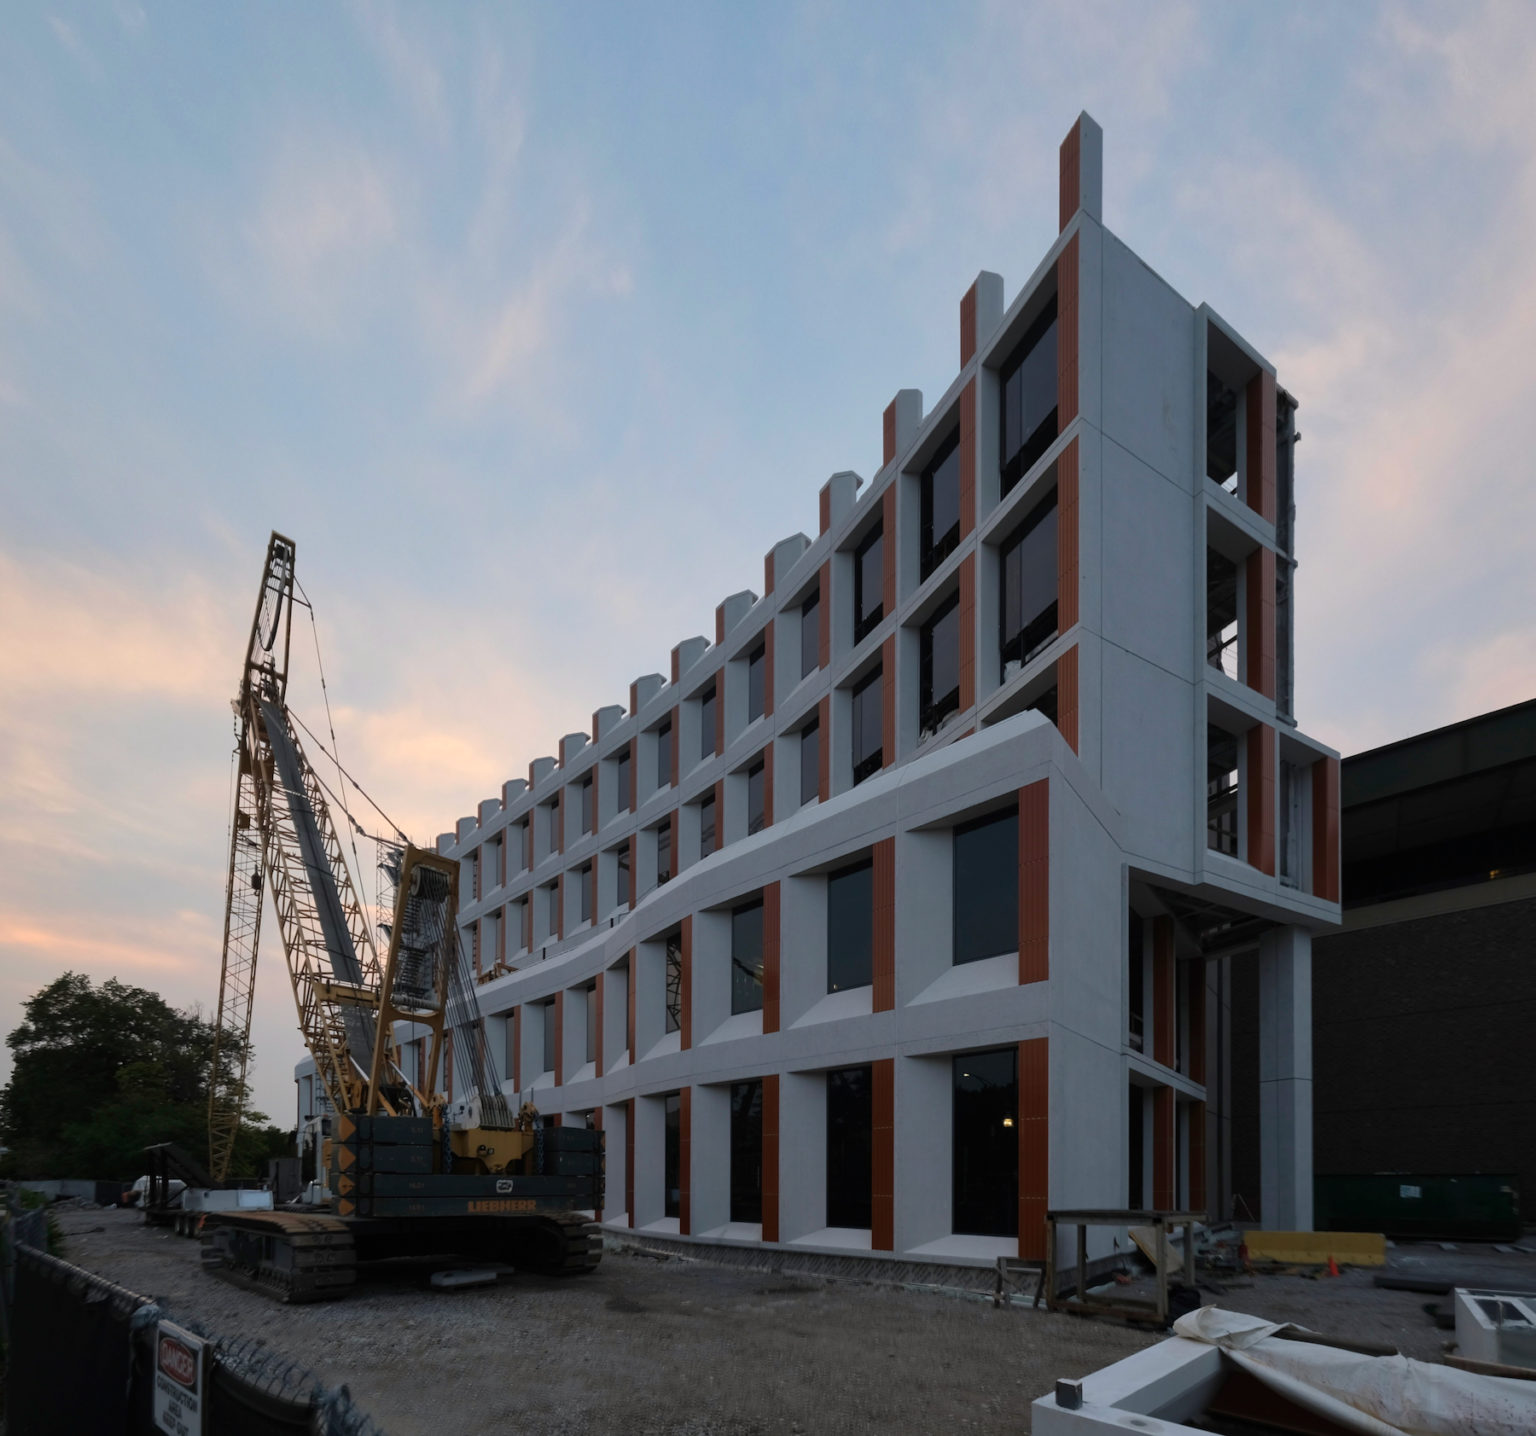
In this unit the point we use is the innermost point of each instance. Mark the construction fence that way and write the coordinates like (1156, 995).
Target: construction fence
(81, 1355)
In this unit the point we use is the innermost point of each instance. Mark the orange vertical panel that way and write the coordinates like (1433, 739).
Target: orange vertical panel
(771, 1157)
(559, 1036)
(1165, 1151)
(824, 616)
(768, 786)
(824, 748)
(768, 574)
(1071, 189)
(888, 702)
(597, 996)
(882, 1175)
(1197, 1021)
(884, 924)
(677, 664)
(768, 634)
(1066, 696)
(1067, 542)
(1261, 798)
(825, 509)
(1066, 335)
(888, 434)
(685, 1160)
(1197, 1191)
(719, 624)
(1035, 881)
(888, 551)
(967, 631)
(968, 458)
(685, 984)
(1164, 991)
(631, 975)
(634, 699)
(771, 958)
(1260, 602)
(629, 1160)
(1325, 829)
(1034, 1146)
(1260, 399)
(968, 326)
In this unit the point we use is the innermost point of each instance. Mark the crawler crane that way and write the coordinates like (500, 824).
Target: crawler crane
(408, 1174)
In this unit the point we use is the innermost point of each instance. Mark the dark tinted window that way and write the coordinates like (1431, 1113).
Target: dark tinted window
(586, 805)
(1029, 399)
(850, 1122)
(706, 827)
(592, 1024)
(624, 800)
(986, 1144)
(747, 1151)
(867, 728)
(941, 505)
(868, 584)
(851, 927)
(664, 756)
(986, 878)
(553, 828)
(810, 762)
(674, 982)
(549, 1036)
(552, 907)
(626, 883)
(757, 677)
(672, 1124)
(1028, 587)
(810, 634)
(757, 812)
(584, 878)
(939, 664)
(707, 722)
(664, 853)
(747, 958)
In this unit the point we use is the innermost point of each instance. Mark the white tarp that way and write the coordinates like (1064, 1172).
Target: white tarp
(1377, 1395)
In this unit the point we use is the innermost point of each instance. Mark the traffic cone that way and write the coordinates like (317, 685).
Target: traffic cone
(1333, 1266)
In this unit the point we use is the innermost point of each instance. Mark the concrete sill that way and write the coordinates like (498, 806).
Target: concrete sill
(855, 1002)
(991, 974)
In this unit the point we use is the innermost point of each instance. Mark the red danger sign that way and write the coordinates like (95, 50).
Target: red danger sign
(180, 1367)
(178, 1361)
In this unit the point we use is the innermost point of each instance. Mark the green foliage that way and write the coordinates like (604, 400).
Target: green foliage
(101, 1073)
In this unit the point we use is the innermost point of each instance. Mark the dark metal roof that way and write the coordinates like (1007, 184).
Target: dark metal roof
(1490, 740)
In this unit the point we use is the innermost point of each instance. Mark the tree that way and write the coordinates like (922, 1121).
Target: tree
(101, 1073)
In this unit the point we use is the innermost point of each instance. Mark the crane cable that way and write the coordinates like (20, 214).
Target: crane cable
(320, 744)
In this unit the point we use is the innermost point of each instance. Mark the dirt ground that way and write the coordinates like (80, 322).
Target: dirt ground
(639, 1346)
(651, 1346)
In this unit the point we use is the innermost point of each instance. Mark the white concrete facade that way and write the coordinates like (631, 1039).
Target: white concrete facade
(1102, 741)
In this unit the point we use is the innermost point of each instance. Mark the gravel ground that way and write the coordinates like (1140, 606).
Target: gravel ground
(639, 1346)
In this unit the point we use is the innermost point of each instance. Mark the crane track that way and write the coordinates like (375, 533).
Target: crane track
(283, 1255)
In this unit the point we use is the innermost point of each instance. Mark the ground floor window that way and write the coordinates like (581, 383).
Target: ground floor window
(747, 1151)
(850, 1121)
(672, 1123)
(986, 1143)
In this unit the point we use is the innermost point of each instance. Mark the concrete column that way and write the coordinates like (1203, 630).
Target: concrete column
(1285, 1079)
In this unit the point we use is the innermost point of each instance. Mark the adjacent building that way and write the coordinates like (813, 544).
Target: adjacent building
(907, 904)
(1425, 1001)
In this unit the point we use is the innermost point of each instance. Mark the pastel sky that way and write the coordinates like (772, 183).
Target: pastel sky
(535, 326)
